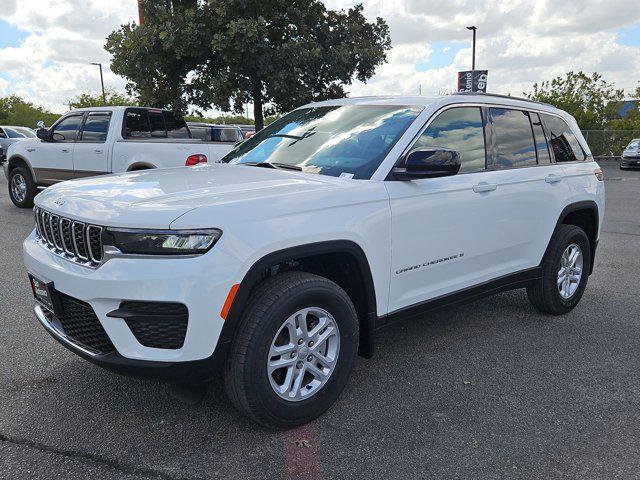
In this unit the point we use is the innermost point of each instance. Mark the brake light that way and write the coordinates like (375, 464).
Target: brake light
(598, 173)
(195, 159)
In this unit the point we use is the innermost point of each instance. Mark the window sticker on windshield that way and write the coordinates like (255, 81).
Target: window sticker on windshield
(346, 175)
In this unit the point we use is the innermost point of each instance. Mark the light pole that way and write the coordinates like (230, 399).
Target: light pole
(473, 57)
(104, 97)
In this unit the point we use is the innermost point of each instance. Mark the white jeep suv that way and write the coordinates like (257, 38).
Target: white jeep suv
(278, 266)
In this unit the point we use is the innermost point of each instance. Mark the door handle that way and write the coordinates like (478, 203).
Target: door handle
(551, 178)
(31, 149)
(484, 187)
(97, 151)
(65, 150)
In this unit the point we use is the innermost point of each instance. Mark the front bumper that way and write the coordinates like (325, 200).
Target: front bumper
(201, 284)
(630, 162)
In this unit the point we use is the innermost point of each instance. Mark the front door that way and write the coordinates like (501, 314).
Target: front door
(52, 161)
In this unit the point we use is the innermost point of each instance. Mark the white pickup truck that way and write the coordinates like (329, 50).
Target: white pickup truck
(94, 141)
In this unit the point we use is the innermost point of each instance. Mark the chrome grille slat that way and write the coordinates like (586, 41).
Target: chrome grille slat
(76, 241)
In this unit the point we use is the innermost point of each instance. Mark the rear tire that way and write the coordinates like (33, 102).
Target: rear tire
(565, 271)
(270, 322)
(22, 188)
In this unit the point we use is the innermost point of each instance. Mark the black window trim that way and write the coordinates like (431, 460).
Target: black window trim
(84, 121)
(546, 139)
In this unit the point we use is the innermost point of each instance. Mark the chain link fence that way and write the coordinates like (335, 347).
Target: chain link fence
(609, 143)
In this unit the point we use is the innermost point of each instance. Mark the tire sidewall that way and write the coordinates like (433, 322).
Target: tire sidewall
(339, 306)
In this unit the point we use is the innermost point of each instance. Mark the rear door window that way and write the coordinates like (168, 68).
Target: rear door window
(96, 127)
(156, 121)
(136, 124)
(176, 127)
(458, 129)
(564, 143)
(513, 144)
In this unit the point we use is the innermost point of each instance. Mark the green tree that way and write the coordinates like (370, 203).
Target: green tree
(272, 53)
(88, 99)
(14, 110)
(589, 98)
(157, 56)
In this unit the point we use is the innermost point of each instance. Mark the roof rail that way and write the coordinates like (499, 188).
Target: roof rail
(503, 96)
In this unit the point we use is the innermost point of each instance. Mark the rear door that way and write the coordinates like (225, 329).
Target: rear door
(91, 154)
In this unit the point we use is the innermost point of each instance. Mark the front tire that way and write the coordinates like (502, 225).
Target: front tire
(294, 352)
(565, 271)
(22, 188)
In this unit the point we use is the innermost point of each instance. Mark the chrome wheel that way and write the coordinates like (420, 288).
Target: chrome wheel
(570, 273)
(18, 187)
(303, 354)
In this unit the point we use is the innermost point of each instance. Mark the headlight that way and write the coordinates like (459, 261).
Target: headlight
(162, 242)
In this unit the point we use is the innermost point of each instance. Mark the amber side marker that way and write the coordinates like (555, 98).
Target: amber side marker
(229, 301)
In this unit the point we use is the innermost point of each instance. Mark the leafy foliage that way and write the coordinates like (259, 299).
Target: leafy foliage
(14, 110)
(225, 53)
(88, 99)
(590, 99)
(157, 56)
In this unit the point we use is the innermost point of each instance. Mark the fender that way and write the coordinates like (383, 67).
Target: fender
(259, 271)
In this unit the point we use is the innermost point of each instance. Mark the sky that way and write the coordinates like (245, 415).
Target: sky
(47, 46)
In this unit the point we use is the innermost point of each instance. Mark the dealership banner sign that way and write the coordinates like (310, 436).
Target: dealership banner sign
(477, 84)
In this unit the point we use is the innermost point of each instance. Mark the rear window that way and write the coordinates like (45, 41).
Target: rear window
(143, 123)
(136, 124)
(513, 139)
(176, 127)
(564, 143)
(156, 121)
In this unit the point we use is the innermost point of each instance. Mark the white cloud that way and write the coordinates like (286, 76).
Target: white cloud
(519, 41)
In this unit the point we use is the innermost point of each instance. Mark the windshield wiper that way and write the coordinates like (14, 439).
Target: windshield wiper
(285, 166)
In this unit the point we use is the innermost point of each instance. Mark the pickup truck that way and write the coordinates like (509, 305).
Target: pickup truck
(98, 140)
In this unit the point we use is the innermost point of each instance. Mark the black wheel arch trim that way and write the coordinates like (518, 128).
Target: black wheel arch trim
(256, 274)
(574, 207)
(19, 158)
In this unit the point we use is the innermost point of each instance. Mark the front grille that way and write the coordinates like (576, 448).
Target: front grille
(155, 324)
(81, 325)
(76, 241)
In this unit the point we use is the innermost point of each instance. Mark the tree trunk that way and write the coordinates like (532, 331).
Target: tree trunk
(257, 107)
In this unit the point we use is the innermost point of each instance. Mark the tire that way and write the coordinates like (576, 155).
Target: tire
(273, 303)
(22, 188)
(546, 294)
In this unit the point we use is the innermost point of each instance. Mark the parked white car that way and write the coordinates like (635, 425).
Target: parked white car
(93, 141)
(279, 265)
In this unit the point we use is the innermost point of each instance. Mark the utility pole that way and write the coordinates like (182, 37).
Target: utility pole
(473, 57)
(104, 97)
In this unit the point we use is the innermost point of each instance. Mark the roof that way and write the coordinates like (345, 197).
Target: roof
(201, 124)
(423, 101)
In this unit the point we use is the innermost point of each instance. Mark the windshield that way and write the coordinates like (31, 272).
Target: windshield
(634, 143)
(335, 140)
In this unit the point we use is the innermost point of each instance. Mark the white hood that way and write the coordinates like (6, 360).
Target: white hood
(155, 198)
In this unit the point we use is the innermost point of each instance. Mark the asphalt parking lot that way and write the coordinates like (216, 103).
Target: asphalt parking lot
(488, 390)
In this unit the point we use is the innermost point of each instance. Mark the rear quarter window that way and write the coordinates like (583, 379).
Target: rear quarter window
(136, 124)
(563, 142)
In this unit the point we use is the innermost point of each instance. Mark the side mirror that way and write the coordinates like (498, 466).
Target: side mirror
(40, 124)
(42, 134)
(429, 162)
